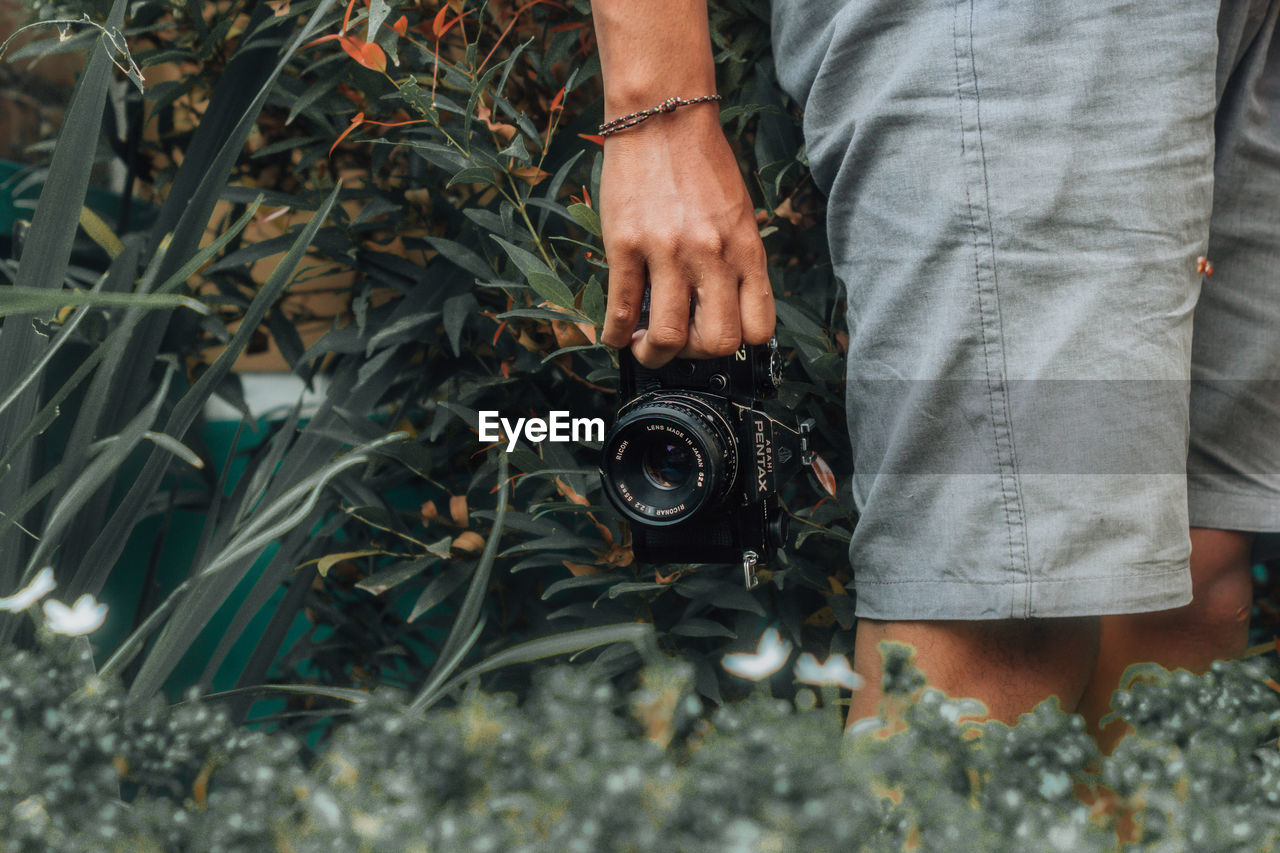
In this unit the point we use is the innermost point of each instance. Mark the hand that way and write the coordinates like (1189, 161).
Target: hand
(675, 213)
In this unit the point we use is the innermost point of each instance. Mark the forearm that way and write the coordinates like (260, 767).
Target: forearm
(676, 217)
(651, 50)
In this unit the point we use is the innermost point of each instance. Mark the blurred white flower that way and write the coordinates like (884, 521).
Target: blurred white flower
(39, 587)
(835, 671)
(85, 616)
(769, 657)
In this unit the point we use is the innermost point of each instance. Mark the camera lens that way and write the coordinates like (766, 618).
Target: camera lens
(668, 456)
(667, 465)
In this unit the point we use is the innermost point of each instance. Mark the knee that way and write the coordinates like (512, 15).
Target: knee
(1221, 575)
(1224, 597)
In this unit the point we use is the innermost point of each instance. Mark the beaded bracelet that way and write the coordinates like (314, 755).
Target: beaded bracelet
(623, 122)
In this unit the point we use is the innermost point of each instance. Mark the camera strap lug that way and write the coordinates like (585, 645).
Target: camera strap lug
(749, 560)
(806, 449)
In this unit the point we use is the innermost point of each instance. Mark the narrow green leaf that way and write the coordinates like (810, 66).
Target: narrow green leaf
(527, 262)
(468, 618)
(551, 289)
(416, 97)
(462, 256)
(440, 588)
(593, 301)
(553, 189)
(37, 300)
(638, 634)
(110, 540)
(578, 582)
(46, 254)
(96, 473)
(100, 232)
(474, 175)
(379, 582)
(456, 310)
(347, 694)
(269, 523)
(586, 217)
(177, 448)
(67, 334)
(698, 627)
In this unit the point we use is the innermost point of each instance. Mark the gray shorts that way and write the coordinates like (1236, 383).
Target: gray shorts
(1044, 391)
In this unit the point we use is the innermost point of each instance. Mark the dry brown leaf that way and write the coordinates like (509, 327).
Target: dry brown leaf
(826, 477)
(531, 175)
(823, 617)
(468, 540)
(570, 493)
(458, 510)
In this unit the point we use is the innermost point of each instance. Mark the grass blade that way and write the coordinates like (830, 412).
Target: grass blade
(35, 300)
(45, 255)
(108, 545)
(638, 633)
(464, 625)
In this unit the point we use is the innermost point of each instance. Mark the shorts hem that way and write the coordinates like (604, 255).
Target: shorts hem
(1160, 588)
(1231, 510)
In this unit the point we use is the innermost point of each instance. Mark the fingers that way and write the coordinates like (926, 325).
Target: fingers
(755, 301)
(715, 330)
(626, 288)
(668, 328)
(732, 302)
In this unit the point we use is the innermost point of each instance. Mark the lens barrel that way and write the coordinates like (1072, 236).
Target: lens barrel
(668, 456)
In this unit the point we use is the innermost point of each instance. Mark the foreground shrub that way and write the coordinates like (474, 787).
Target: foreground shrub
(579, 765)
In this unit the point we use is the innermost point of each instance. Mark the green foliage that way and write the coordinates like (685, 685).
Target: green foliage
(581, 765)
(467, 257)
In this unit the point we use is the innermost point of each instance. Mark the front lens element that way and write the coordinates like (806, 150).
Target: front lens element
(667, 465)
(667, 457)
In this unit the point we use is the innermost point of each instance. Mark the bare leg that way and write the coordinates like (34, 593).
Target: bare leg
(1010, 665)
(1214, 626)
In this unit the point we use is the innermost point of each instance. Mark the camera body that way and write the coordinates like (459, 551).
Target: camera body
(694, 462)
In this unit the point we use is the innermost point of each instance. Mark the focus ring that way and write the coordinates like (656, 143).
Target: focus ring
(721, 449)
(663, 422)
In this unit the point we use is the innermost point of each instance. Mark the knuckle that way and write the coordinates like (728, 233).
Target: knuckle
(622, 312)
(665, 337)
(625, 241)
(706, 241)
(721, 345)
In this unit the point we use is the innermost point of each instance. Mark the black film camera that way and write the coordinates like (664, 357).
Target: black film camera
(694, 463)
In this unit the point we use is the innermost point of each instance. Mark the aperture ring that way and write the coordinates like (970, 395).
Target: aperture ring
(678, 420)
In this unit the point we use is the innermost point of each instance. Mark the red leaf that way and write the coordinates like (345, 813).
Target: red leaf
(395, 123)
(366, 53)
(315, 42)
(401, 26)
(591, 137)
(514, 18)
(571, 493)
(437, 26)
(579, 569)
(355, 122)
(451, 24)
(826, 477)
(556, 101)
(531, 175)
